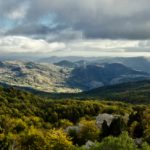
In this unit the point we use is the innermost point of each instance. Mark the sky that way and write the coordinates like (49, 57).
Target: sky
(75, 27)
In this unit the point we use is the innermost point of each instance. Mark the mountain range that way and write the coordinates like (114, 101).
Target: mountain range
(66, 76)
(138, 63)
(38, 76)
(92, 76)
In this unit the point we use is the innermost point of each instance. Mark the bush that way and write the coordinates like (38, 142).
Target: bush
(86, 130)
(58, 140)
(123, 142)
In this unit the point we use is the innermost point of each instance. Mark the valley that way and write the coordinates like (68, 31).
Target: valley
(66, 76)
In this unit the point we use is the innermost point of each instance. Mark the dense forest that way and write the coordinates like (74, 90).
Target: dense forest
(30, 122)
(131, 92)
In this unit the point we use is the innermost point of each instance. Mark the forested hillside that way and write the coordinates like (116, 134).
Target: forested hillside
(130, 92)
(31, 122)
(133, 92)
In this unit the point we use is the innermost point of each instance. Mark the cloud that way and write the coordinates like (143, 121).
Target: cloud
(23, 44)
(50, 34)
(13, 8)
(106, 19)
(104, 47)
(18, 13)
(101, 47)
(75, 26)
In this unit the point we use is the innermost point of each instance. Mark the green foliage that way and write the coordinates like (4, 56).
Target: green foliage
(105, 129)
(145, 146)
(87, 130)
(33, 139)
(147, 135)
(64, 123)
(117, 126)
(31, 122)
(123, 142)
(131, 92)
(58, 140)
(135, 123)
(52, 140)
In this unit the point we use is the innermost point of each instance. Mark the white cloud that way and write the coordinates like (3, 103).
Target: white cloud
(105, 44)
(101, 47)
(25, 44)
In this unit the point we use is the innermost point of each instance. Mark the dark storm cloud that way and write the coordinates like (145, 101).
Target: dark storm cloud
(34, 29)
(114, 19)
(9, 7)
(58, 33)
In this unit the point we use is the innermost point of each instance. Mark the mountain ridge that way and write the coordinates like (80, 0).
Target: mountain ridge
(53, 78)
